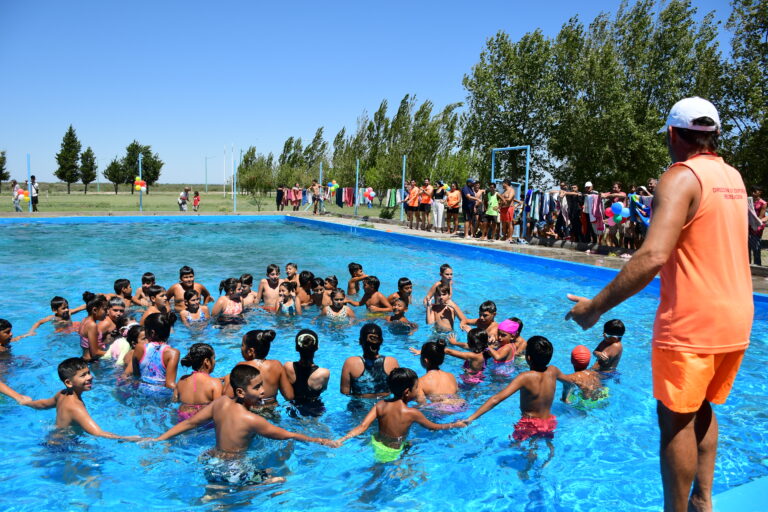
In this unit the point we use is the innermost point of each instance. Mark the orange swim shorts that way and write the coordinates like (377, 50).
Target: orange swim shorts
(507, 214)
(682, 380)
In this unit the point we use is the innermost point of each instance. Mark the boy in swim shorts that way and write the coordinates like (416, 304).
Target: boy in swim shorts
(583, 386)
(268, 288)
(443, 313)
(395, 417)
(608, 351)
(236, 426)
(537, 391)
(70, 408)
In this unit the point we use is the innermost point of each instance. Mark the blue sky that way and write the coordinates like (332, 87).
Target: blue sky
(190, 78)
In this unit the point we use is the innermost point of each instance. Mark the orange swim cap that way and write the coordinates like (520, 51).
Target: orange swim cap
(580, 357)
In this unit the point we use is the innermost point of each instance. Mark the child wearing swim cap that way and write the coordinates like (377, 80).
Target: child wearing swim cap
(608, 351)
(582, 385)
(506, 352)
(395, 417)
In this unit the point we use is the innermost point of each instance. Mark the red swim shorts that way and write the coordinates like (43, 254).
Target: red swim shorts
(682, 380)
(529, 427)
(507, 214)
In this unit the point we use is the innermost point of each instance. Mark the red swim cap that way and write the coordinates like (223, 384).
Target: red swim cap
(580, 357)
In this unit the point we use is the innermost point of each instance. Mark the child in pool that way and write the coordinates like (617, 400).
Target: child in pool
(356, 275)
(156, 362)
(436, 386)
(186, 282)
(583, 384)
(331, 283)
(228, 308)
(404, 292)
(519, 341)
(372, 298)
(398, 322)
(248, 293)
(61, 317)
(108, 329)
(120, 347)
(123, 290)
(267, 293)
(288, 304)
(291, 273)
(505, 352)
(475, 359)
(307, 380)
(608, 351)
(395, 417)
(319, 297)
(338, 309)
(446, 279)
(444, 311)
(90, 338)
(486, 320)
(158, 302)
(255, 349)
(194, 314)
(236, 426)
(135, 336)
(537, 391)
(141, 298)
(199, 388)
(6, 335)
(304, 291)
(70, 408)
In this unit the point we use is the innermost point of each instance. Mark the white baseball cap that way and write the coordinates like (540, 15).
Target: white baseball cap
(686, 110)
(588, 184)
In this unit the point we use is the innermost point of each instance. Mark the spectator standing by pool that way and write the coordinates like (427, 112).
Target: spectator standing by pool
(34, 191)
(757, 220)
(16, 193)
(279, 198)
(468, 207)
(705, 314)
(196, 201)
(183, 199)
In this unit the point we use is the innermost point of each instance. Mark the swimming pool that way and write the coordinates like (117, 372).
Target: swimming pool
(604, 460)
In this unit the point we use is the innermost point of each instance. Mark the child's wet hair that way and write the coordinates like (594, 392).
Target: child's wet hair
(317, 282)
(260, 341)
(477, 340)
(338, 291)
(132, 336)
(116, 301)
(57, 302)
(434, 353)
(197, 355)
(246, 280)
(154, 290)
(444, 267)
(241, 375)
(158, 326)
(373, 282)
(190, 294)
(93, 301)
(68, 368)
(306, 278)
(354, 268)
(370, 328)
(292, 265)
(185, 271)
(272, 268)
(288, 285)
(228, 285)
(539, 349)
(332, 280)
(401, 380)
(398, 300)
(120, 285)
(488, 307)
(443, 289)
(306, 341)
(148, 278)
(614, 328)
(5, 324)
(403, 282)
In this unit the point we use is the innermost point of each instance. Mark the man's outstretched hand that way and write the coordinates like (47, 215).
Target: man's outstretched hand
(583, 313)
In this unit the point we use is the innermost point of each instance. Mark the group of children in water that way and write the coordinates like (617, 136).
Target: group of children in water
(139, 344)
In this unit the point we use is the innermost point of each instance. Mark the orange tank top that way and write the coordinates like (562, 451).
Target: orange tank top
(706, 302)
(413, 197)
(453, 199)
(426, 197)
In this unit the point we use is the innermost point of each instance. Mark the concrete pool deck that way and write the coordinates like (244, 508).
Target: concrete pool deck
(759, 274)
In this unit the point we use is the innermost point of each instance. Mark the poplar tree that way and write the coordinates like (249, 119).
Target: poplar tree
(68, 159)
(87, 168)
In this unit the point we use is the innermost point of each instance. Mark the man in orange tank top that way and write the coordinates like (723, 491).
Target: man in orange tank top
(703, 324)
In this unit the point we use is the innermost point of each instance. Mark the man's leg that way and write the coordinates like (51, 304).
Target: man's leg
(687, 452)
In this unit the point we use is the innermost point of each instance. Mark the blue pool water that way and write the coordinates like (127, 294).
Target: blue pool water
(604, 460)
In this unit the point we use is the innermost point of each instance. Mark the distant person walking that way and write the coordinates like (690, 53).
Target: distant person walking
(16, 194)
(704, 319)
(196, 201)
(34, 191)
(184, 199)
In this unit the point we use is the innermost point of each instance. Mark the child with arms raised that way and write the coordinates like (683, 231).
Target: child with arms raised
(356, 275)
(395, 417)
(197, 389)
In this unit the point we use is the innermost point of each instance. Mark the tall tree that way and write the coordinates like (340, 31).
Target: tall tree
(116, 173)
(87, 168)
(4, 175)
(150, 164)
(68, 159)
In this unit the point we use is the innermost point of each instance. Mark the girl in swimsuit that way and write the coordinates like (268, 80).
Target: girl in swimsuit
(228, 309)
(287, 303)
(436, 386)
(366, 376)
(194, 314)
(505, 335)
(255, 349)
(307, 379)
(475, 359)
(156, 362)
(158, 302)
(90, 337)
(338, 310)
(319, 297)
(197, 389)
